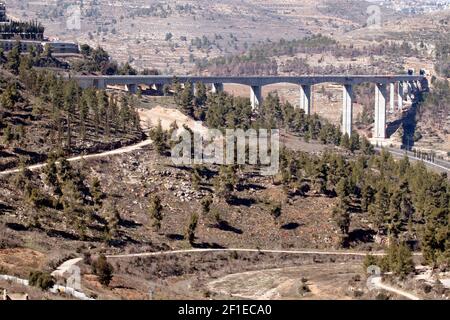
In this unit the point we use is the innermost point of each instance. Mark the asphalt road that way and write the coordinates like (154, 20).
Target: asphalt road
(440, 166)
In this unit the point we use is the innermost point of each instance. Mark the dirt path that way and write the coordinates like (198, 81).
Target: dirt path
(148, 118)
(123, 150)
(65, 267)
(313, 252)
(377, 282)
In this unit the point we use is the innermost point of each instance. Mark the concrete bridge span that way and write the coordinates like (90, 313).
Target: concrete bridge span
(400, 86)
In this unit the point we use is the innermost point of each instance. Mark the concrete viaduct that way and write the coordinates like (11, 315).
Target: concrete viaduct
(400, 87)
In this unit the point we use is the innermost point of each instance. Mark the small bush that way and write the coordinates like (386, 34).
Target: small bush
(103, 269)
(42, 280)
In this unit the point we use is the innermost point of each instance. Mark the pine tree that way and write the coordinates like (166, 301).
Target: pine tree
(206, 205)
(345, 141)
(367, 195)
(159, 137)
(187, 99)
(51, 174)
(320, 178)
(70, 104)
(400, 208)
(13, 63)
(177, 90)
(103, 269)
(96, 191)
(399, 259)
(192, 227)
(155, 212)
(341, 216)
(200, 94)
(196, 178)
(378, 210)
(225, 183)
(275, 211)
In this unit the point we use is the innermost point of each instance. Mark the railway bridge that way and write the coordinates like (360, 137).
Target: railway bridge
(400, 87)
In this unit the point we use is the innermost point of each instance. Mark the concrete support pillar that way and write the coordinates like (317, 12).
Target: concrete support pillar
(159, 88)
(418, 85)
(392, 97)
(216, 87)
(305, 98)
(410, 89)
(132, 88)
(99, 84)
(347, 109)
(255, 96)
(400, 95)
(380, 111)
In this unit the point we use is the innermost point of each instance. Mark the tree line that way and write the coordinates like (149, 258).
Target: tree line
(259, 58)
(32, 30)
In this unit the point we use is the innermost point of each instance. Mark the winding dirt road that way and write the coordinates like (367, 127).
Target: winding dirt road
(123, 150)
(67, 265)
(378, 284)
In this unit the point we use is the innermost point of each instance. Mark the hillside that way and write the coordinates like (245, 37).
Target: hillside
(109, 210)
(41, 113)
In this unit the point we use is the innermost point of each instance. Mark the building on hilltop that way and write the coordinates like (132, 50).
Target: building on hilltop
(29, 34)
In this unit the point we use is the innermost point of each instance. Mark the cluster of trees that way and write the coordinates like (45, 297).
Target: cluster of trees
(36, 57)
(259, 58)
(66, 189)
(398, 260)
(227, 112)
(72, 109)
(99, 61)
(404, 202)
(32, 30)
(41, 280)
(103, 270)
(223, 111)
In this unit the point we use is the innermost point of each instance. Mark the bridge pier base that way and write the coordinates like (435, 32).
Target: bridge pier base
(131, 88)
(159, 88)
(347, 110)
(255, 96)
(216, 87)
(305, 98)
(380, 111)
(99, 84)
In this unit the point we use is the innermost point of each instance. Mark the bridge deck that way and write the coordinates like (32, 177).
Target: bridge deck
(250, 81)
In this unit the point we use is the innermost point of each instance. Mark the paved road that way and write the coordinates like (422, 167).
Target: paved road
(439, 165)
(65, 267)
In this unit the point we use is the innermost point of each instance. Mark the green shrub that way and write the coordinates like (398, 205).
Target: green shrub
(42, 280)
(103, 269)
